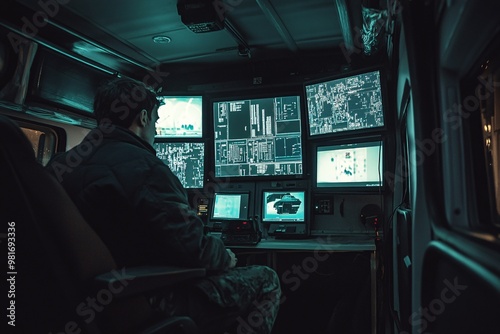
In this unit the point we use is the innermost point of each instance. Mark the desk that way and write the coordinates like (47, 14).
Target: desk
(320, 245)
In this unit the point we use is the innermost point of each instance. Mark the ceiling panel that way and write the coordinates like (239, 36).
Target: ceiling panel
(276, 32)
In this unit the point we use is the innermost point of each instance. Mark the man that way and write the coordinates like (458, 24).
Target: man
(140, 210)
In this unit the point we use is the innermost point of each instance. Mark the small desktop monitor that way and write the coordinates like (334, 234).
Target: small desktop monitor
(354, 166)
(180, 117)
(348, 103)
(284, 212)
(259, 137)
(185, 159)
(283, 206)
(230, 206)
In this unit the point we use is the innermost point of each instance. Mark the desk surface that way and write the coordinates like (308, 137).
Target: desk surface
(327, 243)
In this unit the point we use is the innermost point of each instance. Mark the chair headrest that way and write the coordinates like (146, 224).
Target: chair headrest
(83, 249)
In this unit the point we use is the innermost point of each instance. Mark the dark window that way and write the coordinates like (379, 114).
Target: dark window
(43, 141)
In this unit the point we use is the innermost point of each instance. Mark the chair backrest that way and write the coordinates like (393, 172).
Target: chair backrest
(54, 251)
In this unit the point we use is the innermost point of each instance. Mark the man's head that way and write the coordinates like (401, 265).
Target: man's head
(130, 104)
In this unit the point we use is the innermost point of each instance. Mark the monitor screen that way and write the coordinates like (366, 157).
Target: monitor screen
(230, 206)
(345, 104)
(186, 161)
(258, 137)
(357, 165)
(283, 206)
(180, 117)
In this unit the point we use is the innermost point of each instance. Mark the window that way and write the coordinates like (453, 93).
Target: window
(43, 141)
(483, 130)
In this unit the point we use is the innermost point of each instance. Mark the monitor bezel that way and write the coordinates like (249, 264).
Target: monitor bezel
(184, 141)
(224, 192)
(355, 188)
(284, 190)
(252, 96)
(349, 132)
(203, 121)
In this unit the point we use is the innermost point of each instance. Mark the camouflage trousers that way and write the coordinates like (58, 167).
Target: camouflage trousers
(242, 300)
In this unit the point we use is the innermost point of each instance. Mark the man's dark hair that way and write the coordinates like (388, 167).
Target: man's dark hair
(122, 99)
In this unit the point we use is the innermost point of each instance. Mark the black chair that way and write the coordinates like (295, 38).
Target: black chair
(62, 277)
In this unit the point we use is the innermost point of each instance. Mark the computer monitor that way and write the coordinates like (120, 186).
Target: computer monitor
(353, 166)
(284, 213)
(180, 117)
(348, 103)
(258, 137)
(185, 159)
(283, 206)
(230, 206)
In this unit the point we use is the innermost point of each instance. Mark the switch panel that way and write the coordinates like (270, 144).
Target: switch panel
(323, 204)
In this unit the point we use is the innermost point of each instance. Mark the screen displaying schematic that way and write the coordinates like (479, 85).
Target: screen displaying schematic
(345, 104)
(258, 137)
(186, 161)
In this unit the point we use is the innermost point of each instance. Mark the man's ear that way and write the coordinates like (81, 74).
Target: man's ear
(143, 117)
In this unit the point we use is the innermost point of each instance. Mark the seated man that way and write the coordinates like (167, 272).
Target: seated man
(141, 211)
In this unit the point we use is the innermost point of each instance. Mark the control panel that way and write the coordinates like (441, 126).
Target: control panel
(237, 232)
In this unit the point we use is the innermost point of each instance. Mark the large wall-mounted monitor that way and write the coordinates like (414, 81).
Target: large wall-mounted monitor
(353, 166)
(230, 206)
(348, 103)
(258, 137)
(186, 160)
(180, 117)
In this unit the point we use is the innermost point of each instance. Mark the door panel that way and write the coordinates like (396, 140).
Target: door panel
(459, 295)
(402, 231)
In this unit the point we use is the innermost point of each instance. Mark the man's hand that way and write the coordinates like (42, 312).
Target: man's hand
(234, 260)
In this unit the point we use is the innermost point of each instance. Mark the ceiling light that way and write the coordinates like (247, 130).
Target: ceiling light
(162, 39)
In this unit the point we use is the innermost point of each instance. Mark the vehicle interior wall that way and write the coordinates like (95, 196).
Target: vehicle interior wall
(414, 68)
(402, 191)
(470, 227)
(450, 252)
(470, 86)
